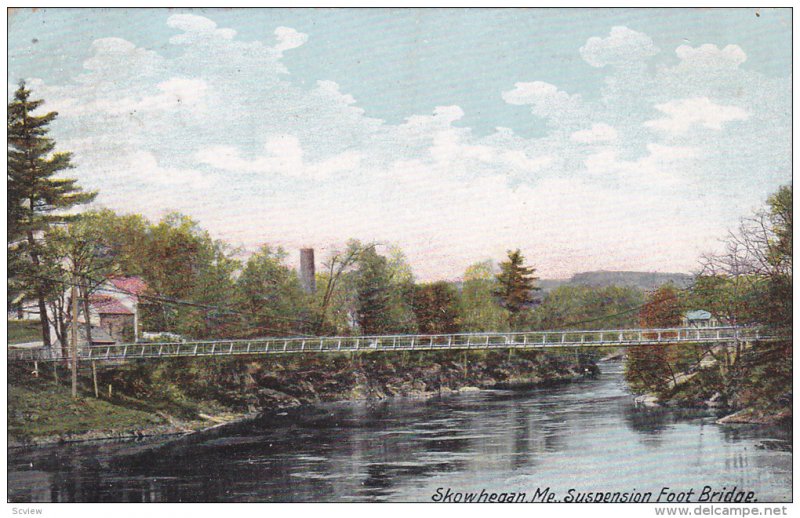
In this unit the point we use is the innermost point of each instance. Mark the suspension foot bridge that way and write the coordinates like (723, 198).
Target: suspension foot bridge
(532, 340)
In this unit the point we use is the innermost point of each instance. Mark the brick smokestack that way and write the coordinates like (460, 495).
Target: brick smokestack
(307, 271)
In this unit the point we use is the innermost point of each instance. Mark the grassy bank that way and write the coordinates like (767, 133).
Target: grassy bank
(39, 407)
(21, 331)
(42, 410)
(180, 395)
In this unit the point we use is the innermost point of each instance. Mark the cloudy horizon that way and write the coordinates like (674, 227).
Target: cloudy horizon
(617, 139)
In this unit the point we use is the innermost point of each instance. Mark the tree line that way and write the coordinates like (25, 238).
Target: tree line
(202, 287)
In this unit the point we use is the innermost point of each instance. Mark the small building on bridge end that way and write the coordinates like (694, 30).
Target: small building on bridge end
(699, 318)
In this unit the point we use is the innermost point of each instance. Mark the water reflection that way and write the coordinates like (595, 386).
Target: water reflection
(586, 435)
(650, 423)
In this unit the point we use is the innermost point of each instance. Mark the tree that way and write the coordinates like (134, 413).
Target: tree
(780, 216)
(76, 253)
(588, 307)
(401, 293)
(214, 292)
(778, 300)
(651, 368)
(338, 266)
(273, 298)
(127, 236)
(478, 308)
(37, 197)
(757, 263)
(374, 292)
(435, 307)
(190, 276)
(663, 309)
(516, 285)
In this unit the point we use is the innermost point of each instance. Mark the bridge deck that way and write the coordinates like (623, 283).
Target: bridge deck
(460, 341)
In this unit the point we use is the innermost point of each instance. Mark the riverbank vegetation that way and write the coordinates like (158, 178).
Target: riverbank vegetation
(749, 283)
(181, 395)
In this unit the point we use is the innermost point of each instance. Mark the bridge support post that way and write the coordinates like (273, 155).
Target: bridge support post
(94, 380)
(74, 351)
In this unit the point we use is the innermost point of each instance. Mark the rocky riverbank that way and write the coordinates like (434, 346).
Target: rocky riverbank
(697, 392)
(183, 396)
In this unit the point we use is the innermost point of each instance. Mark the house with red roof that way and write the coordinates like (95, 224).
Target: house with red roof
(113, 311)
(114, 307)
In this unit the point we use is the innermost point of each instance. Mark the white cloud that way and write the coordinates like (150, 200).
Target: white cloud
(535, 93)
(144, 167)
(452, 152)
(284, 156)
(669, 154)
(622, 46)
(599, 132)
(682, 114)
(114, 61)
(177, 93)
(710, 56)
(520, 160)
(443, 117)
(545, 100)
(185, 91)
(332, 91)
(661, 168)
(196, 28)
(288, 39)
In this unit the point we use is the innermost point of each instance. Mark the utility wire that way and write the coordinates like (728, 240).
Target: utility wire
(166, 300)
(221, 309)
(228, 310)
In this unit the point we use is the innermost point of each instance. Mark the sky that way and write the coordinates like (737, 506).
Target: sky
(617, 139)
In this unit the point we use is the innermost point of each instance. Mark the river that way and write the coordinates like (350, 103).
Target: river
(585, 436)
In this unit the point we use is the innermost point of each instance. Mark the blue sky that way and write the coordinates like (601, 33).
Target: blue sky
(616, 139)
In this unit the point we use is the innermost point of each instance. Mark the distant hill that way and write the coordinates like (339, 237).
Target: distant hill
(602, 278)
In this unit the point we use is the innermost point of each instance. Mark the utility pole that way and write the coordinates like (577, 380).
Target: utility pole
(74, 327)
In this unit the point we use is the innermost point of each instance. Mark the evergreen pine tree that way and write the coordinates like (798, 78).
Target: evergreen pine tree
(516, 285)
(37, 196)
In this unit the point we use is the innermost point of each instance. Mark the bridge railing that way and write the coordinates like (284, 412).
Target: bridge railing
(525, 340)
